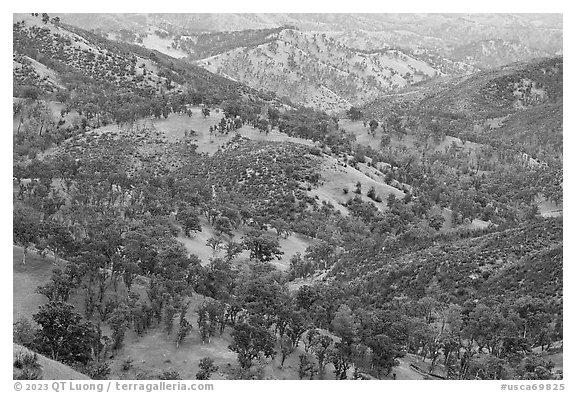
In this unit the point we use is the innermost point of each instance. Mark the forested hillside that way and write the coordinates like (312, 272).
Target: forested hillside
(489, 102)
(516, 109)
(179, 224)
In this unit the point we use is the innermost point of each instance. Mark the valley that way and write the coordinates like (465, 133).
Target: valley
(306, 197)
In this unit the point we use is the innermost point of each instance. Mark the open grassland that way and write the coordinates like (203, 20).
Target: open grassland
(337, 176)
(26, 278)
(363, 137)
(196, 244)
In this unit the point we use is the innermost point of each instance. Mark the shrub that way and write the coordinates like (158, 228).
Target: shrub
(97, 370)
(207, 367)
(25, 359)
(26, 366)
(23, 332)
(371, 193)
(127, 364)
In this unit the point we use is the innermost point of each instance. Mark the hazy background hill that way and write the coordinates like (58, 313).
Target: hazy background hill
(317, 71)
(541, 31)
(333, 61)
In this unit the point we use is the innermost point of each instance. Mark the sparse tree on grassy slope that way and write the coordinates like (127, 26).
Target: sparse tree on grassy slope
(63, 335)
(249, 342)
(262, 246)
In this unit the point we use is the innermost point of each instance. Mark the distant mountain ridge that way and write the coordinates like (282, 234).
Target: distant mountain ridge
(541, 31)
(360, 50)
(494, 53)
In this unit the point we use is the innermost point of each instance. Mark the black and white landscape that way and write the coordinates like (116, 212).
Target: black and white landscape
(288, 196)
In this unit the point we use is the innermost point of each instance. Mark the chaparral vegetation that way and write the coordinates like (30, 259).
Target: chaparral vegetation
(284, 203)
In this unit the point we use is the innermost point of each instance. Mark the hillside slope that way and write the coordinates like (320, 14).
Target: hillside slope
(52, 56)
(494, 53)
(332, 61)
(170, 193)
(518, 106)
(509, 264)
(315, 70)
(51, 370)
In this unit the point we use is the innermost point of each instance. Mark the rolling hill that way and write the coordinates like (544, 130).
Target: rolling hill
(505, 265)
(314, 70)
(519, 105)
(190, 210)
(493, 53)
(50, 55)
(332, 61)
